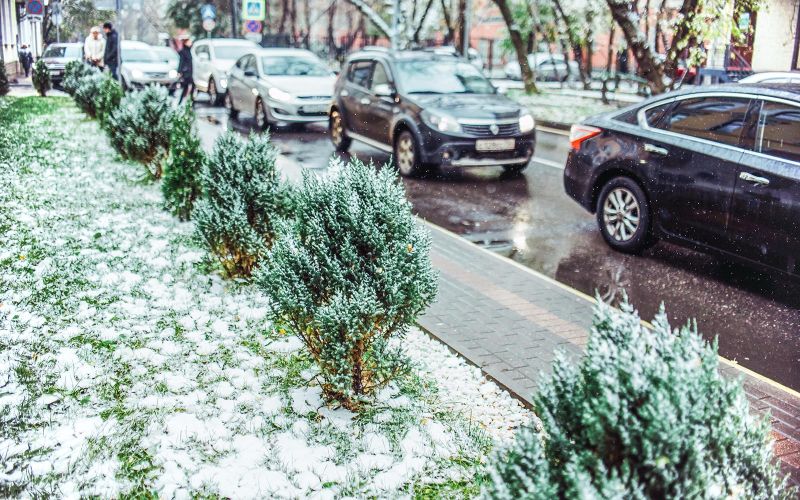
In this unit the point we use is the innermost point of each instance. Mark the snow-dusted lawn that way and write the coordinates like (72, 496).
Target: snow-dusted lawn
(127, 367)
(556, 107)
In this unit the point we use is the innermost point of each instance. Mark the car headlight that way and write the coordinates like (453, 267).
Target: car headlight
(223, 83)
(526, 123)
(279, 95)
(172, 73)
(137, 73)
(442, 123)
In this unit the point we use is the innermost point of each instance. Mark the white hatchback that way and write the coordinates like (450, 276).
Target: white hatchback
(212, 58)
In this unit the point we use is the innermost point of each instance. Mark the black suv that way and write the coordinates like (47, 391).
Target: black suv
(716, 168)
(428, 108)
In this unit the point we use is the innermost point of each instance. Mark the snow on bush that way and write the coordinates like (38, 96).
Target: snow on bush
(109, 95)
(74, 71)
(180, 184)
(350, 273)
(126, 371)
(243, 198)
(41, 78)
(645, 414)
(139, 128)
(87, 87)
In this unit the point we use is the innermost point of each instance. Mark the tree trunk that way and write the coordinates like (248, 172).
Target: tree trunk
(421, 21)
(649, 67)
(682, 35)
(573, 41)
(448, 22)
(519, 47)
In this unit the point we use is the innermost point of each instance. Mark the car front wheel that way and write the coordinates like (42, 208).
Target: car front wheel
(338, 135)
(406, 155)
(623, 215)
(213, 95)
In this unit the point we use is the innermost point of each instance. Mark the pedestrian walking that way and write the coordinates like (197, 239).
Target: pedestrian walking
(26, 59)
(94, 48)
(111, 51)
(185, 69)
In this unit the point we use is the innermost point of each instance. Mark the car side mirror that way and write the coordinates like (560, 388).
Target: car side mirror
(203, 57)
(384, 90)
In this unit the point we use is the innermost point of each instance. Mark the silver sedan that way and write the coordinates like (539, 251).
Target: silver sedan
(280, 87)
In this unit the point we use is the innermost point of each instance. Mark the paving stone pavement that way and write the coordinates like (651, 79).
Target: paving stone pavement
(510, 321)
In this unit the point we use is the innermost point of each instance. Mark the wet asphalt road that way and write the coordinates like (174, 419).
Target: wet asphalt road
(755, 316)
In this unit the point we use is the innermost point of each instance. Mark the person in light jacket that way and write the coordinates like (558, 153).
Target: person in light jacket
(94, 48)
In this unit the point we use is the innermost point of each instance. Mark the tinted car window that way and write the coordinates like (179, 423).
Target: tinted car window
(359, 73)
(202, 50)
(379, 76)
(718, 119)
(779, 130)
(654, 115)
(63, 51)
(250, 64)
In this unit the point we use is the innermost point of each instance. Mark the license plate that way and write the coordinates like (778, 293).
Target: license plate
(494, 144)
(316, 108)
(55, 72)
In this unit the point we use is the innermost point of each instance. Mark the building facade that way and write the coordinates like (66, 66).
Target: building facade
(776, 40)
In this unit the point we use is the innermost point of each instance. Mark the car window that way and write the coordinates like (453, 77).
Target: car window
(714, 118)
(360, 72)
(203, 50)
(230, 52)
(250, 64)
(441, 76)
(139, 55)
(654, 115)
(779, 131)
(379, 76)
(293, 66)
(63, 51)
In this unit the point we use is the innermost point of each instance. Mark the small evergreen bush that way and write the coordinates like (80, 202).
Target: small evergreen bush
(139, 128)
(5, 88)
(86, 92)
(243, 198)
(41, 78)
(645, 414)
(109, 95)
(181, 182)
(74, 71)
(348, 276)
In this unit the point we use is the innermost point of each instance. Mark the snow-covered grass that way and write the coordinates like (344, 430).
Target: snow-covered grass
(128, 367)
(556, 107)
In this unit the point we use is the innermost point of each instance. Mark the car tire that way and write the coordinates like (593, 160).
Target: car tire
(514, 170)
(213, 95)
(623, 215)
(232, 111)
(262, 118)
(338, 133)
(406, 155)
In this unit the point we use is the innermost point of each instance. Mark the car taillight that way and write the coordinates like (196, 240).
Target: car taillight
(579, 133)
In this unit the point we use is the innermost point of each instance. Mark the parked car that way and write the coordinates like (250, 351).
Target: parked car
(280, 87)
(212, 58)
(773, 77)
(546, 66)
(167, 54)
(715, 168)
(142, 66)
(56, 57)
(428, 109)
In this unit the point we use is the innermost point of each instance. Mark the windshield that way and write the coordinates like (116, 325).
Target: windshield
(139, 55)
(293, 66)
(442, 77)
(231, 52)
(167, 55)
(63, 51)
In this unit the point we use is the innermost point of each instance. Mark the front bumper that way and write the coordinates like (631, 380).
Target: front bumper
(145, 81)
(462, 152)
(56, 73)
(298, 110)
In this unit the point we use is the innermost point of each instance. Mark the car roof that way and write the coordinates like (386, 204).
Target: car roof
(383, 53)
(275, 51)
(785, 90)
(135, 44)
(226, 41)
(64, 44)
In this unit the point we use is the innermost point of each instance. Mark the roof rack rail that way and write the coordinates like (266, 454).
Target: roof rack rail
(376, 48)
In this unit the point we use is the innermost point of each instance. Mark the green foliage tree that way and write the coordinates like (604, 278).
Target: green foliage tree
(74, 71)
(139, 128)
(349, 275)
(109, 95)
(185, 14)
(181, 181)
(41, 78)
(4, 86)
(645, 414)
(85, 95)
(243, 199)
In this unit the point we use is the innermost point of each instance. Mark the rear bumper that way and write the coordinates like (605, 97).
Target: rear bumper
(578, 180)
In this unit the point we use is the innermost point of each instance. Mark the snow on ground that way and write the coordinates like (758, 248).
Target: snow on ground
(126, 368)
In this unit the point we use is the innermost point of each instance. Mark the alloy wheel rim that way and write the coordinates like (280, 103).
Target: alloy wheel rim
(621, 214)
(405, 154)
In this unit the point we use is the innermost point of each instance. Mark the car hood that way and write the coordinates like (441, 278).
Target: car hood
(154, 67)
(304, 86)
(478, 106)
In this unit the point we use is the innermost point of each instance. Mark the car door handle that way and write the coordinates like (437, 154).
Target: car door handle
(754, 179)
(365, 101)
(651, 148)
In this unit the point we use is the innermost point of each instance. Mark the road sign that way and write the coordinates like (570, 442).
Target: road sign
(55, 13)
(254, 10)
(253, 26)
(208, 11)
(209, 24)
(34, 8)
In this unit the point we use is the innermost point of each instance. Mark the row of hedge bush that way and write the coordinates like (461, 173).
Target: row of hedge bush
(645, 414)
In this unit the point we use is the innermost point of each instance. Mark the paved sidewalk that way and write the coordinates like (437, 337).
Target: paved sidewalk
(510, 320)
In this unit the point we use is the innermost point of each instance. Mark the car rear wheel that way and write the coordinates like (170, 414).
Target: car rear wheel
(262, 120)
(213, 95)
(338, 135)
(623, 214)
(232, 112)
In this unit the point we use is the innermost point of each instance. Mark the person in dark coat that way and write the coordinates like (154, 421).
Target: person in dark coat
(185, 69)
(26, 59)
(111, 53)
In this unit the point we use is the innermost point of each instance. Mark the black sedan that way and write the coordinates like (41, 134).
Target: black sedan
(715, 169)
(428, 109)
